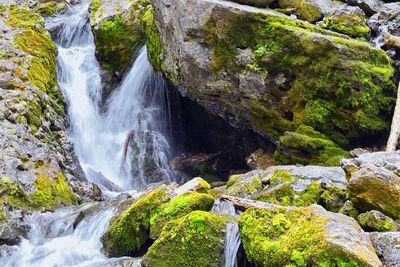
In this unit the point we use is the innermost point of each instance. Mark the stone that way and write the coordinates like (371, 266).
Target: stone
(387, 247)
(348, 20)
(385, 21)
(201, 59)
(260, 159)
(374, 182)
(257, 3)
(308, 236)
(376, 221)
(349, 210)
(194, 185)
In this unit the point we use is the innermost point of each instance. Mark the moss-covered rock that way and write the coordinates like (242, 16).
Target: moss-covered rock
(304, 237)
(47, 9)
(192, 240)
(178, 207)
(306, 146)
(131, 229)
(117, 31)
(376, 221)
(308, 10)
(349, 210)
(298, 73)
(351, 21)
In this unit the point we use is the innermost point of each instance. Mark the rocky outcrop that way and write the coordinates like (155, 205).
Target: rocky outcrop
(386, 20)
(376, 221)
(304, 237)
(37, 161)
(265, 71)
(374, 182)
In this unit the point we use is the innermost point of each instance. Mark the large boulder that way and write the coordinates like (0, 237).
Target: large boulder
(304, 237)
(370, 7)
(130, 230)
(193, 240)
(263, 70)
(375, 182)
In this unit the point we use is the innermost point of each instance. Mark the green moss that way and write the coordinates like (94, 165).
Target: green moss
(47, 9)
(15, 193)
(130, 230)
(51, 192)
(155, 49)
(232, 180)
(308, 149)
(376, 221)
(95, 6)
(192, 240)
(341, 87)
(294, 237)
(352, 24)
(177, 208)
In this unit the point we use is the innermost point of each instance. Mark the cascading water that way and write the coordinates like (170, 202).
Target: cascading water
(136, 109)
(132, 125)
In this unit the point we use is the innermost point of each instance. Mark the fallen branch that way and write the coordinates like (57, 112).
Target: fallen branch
(395, 128)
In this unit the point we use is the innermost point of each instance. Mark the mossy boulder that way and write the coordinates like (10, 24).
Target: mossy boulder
(262, 70)
(304, 237)
(377, 221)
(178, 207)
(118, 32)
(196, 184)
(309, 10)
(374, 182)
(308, 147)
(192, 240)
(130, 230)
(349, 210)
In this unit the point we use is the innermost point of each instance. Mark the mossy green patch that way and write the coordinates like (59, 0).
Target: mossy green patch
(178, 207)
(350, 23)
(192, 240)
(130, 230)
(47, 9)
(308, 147)
(294, 237)
(339, 86)
(376, 221)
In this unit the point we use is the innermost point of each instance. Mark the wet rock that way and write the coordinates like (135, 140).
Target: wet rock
(376, 221)
(385, 21)
(387, 247)
(117, 262)
(374, 182)
(196, 238)
(309, 10)
(370, 7)
(197, 164)
(304, 236)
(130, 230)
(13, 227)
(206, 48)
(348, 20)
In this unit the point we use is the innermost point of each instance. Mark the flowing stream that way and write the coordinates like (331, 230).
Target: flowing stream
(121, 146)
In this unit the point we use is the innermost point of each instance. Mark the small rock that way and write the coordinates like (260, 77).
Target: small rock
(376, 221)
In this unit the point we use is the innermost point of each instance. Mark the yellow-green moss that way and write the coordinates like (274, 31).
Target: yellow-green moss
(177, 208)
(295, 237)
(155, 49)
(308, 147)
(354, 25)
(51, 192)
(130, 230)
(193, 240)
(376, 222)
(47, 9)
(13, 194)
(339, 86)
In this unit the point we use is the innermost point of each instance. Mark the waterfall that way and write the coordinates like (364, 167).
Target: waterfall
(53, 241)
(135, 111)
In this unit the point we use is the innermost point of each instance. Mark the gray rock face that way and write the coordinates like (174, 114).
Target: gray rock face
(240, 80)
(13, 228)
(387, 247)
(257, 3)
(370, 7)
(375, 182)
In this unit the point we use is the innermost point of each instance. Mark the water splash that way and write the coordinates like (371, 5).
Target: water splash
(53, 241)
(137, 108)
